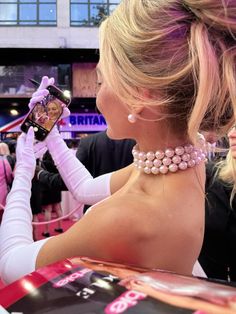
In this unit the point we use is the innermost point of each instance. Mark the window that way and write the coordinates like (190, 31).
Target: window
(14, 79)
(28, 12)
(90, 12)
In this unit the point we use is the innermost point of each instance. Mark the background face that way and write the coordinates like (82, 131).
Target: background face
(54, 109)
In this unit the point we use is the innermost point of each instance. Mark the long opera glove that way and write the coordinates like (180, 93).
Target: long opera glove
(76, 177)
(80, 183)
(18, 251)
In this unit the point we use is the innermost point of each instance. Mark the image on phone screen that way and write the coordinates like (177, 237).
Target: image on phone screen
(43, 117)
(46, 114)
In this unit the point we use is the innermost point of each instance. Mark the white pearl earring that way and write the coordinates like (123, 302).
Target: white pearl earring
(132, 118)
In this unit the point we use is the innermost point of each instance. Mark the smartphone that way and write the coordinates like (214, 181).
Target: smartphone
(45, 114)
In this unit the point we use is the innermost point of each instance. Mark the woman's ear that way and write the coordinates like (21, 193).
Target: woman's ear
(137, 110)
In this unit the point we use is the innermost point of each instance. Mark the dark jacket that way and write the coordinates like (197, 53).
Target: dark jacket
(99, 154)
(218, 254)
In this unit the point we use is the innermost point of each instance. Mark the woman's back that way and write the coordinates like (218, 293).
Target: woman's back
(144, 223)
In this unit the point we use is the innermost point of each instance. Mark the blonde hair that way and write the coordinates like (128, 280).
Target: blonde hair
(181, 52)
(4, 149)
(226, 171)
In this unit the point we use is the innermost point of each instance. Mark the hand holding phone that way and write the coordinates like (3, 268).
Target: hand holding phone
(47, 109)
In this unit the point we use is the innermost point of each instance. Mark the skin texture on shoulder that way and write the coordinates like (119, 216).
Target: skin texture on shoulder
(130, 226)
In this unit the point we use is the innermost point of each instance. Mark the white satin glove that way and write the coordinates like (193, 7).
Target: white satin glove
(16, 242)
(41, 92)
(25, 158)
(77, 178)
(40, 147)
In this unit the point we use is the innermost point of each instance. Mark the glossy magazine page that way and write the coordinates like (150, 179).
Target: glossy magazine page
(82, 285)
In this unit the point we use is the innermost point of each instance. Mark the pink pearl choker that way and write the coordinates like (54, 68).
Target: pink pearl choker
(170, 160)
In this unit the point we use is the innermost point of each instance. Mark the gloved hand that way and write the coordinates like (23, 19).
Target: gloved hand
(25, 158)
(42, 92)
(40, 147)
(16, 242)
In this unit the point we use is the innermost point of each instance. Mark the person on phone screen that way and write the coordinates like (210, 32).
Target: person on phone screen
(156, 86)
(39, 115)
(54, 111)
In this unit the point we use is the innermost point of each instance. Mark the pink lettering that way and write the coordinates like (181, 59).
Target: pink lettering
(71, 278)
(124, 301)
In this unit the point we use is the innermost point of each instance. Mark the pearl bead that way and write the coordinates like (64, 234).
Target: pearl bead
(149, 163)
(155, 170)
(191, 163)
(135, 154)
(183, 165)
(194, 155)
(141, 163)
(179, 150)
(157, 163)
(185, 157)
(176, 159)
(142, 156)
(163, 169)
(166, 161)
(147, 170)
(159, 154)
(173, 168)
(132, 118)
(198, 160)
(169, 152)
(136, 162)
(188, 148)
(150, 155)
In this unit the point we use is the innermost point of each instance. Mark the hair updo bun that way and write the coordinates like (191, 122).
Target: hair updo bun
(212, 14)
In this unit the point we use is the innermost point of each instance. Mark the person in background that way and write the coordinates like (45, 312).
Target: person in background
(12, 148)
(73, 144)
(99, 154)
(68, 203)
(217, 147)
(156, 86)
(51, 198)
(218, 253)
(6, 174)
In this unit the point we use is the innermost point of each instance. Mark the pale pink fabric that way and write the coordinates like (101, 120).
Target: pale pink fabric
(3, 183)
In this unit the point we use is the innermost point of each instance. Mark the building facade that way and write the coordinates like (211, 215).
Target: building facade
(49, 37)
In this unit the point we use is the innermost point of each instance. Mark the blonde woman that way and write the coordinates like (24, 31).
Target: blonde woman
(156, 86)
(54, 111)
(218, 254)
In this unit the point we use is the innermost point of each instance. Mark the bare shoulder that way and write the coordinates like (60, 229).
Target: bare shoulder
(120, 177)
(107, 231)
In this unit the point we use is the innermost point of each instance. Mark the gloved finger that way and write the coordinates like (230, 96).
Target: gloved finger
(40, 149)
(20, 144)
(41, 152)
(20, 141)
(30, 137)
(45, 82)
(34, 101)
(39, 145)
(42, 92)
(65, 113)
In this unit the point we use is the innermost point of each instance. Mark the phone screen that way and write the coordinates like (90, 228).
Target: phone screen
(43, 117)
(47, 113)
